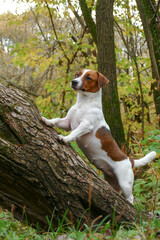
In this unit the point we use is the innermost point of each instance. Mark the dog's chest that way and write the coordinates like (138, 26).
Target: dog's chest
(77, 115)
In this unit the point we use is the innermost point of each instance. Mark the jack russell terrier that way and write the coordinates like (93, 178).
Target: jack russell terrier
(92, 134)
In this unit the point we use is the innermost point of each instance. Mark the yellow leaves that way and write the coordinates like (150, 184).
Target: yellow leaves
(32, 54)
(44, 101)
(158, 174)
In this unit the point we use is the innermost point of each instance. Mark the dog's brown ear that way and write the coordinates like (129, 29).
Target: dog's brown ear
(102, 80)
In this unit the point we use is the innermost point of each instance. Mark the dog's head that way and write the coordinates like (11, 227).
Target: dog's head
(88, 81)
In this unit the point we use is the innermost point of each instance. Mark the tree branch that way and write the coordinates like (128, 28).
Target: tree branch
(76, 15)
(88, 19)
(36, 19)
(10, 83)
(54, 30)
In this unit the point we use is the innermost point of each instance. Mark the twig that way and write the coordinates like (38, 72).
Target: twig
(93, 222)
(18, 87)
(154, 201)
(119, 216)
(54, 30)
(132, 54)
(36, 19)
(76, 15)
(156, 10)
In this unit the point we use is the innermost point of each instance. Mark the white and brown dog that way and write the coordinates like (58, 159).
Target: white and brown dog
(93, 136)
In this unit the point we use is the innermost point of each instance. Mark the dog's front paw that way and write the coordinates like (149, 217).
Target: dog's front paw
(43, 119)
(50, 122)
(64, 139)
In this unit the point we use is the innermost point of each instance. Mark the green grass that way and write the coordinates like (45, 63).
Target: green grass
(11, 229)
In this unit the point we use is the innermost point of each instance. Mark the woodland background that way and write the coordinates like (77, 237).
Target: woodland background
(42, 48)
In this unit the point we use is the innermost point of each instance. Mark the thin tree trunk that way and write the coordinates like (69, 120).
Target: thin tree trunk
(152, 33)
(88, 19)
(44, 175)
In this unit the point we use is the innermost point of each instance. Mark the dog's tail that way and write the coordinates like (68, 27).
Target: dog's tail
(145, 160)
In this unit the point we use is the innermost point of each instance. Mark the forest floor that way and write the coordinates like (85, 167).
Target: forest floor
(11, 229)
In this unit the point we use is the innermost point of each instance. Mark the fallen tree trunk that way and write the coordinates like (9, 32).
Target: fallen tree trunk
(44, 175)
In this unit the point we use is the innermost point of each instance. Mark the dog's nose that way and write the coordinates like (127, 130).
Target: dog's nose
(74, 83)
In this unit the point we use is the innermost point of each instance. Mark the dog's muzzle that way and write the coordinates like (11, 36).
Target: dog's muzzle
(74, 83)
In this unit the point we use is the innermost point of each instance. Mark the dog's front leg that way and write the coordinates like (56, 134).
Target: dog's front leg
(63, 123)
(83, 128)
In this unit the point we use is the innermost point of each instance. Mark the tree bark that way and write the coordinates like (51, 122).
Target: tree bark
(151, 26)
(107, 66)
(44, 175)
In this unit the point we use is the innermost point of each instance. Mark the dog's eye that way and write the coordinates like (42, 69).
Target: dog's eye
(77, 75)
(88, 78)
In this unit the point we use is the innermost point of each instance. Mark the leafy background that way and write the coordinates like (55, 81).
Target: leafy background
(40, 54)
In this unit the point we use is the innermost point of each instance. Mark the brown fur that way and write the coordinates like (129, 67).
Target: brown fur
(90, 85)
(109, 144)
(102, 80)
(94, 83)
(108, 173)
(112, 180)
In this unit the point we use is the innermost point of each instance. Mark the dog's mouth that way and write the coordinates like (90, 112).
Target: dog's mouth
(76, 85)
(78, 89)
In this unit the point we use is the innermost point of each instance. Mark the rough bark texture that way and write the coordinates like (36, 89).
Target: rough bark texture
(107, 66)
(42, 174)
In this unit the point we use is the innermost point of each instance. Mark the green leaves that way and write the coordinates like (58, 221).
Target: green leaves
(152, 141)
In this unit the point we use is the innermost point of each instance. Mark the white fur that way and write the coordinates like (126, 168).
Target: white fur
(84, 118)
(145, 160)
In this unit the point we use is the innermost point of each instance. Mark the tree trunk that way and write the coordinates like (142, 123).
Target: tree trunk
(152, 33)
(107, 66)
(44, 175)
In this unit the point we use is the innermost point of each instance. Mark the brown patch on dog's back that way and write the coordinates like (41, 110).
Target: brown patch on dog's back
(109, 145)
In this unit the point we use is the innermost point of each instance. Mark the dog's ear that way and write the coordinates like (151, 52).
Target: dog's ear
(102, 80)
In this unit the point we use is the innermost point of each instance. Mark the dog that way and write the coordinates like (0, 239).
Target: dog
(91, 132)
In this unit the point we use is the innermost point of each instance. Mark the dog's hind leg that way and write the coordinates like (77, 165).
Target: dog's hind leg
(127, 191)
(125, 178)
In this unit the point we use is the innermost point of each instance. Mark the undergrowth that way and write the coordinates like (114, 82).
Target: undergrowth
(11, 229)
